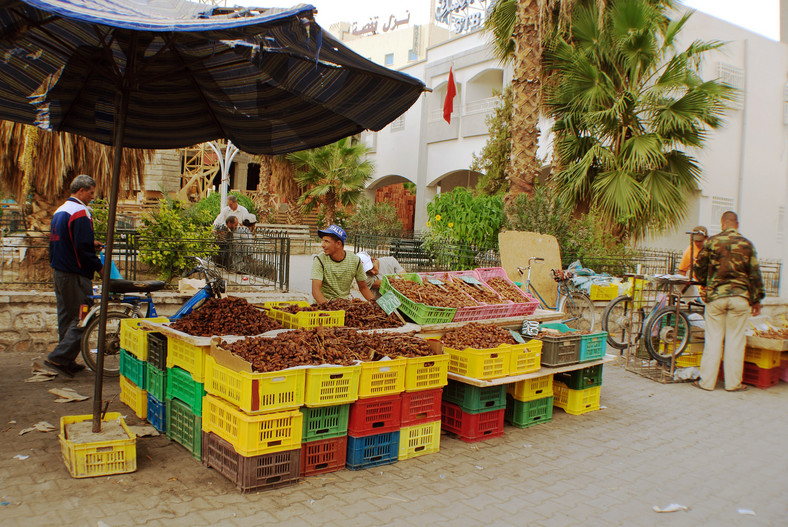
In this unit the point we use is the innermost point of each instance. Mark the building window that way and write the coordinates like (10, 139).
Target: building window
(398, 123)
(389, 60)
(719, 205)
(412, 55)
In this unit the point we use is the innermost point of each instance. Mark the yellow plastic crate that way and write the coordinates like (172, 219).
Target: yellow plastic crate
(134, 397)
(576, 402)
(604, 292)
(531, 389)
(308, 319)
(766, 359)
(481, 363)
(256, 392)
(526, 358)
(418, 440)
(382, 378)
(330, 386)
(688, 360)
(134, 339)
(275, 304)
(252, 435)
(187, 356)
(101, 458)
(426, 373)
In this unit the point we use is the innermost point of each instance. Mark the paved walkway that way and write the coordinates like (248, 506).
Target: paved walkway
(652, 444)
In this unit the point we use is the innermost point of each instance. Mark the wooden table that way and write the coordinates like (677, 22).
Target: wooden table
(525, 376)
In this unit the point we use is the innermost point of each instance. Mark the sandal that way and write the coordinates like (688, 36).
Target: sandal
(741, 388)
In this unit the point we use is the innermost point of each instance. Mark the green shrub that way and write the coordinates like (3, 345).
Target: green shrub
(170, 237)
(375, 218)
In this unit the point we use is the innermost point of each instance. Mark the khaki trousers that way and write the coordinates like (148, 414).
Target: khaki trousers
(725, 323)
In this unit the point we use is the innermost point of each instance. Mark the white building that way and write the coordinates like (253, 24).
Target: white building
(745, 164)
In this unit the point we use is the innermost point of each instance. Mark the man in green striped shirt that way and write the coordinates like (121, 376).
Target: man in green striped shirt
(334, 270)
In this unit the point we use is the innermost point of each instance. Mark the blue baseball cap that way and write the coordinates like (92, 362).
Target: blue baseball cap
(334, 230)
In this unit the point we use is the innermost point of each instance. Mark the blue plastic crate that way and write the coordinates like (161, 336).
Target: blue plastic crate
(157, 413)
(593, 346)
(133, 369)
(372, 451)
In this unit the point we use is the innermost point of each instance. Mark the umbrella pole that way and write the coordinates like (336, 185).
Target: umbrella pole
(105, 272)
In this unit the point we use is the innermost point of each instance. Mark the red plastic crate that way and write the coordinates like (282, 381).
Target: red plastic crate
(760, 377)
(471, 427)
(375, 415)
(326, 455)
(421, 407)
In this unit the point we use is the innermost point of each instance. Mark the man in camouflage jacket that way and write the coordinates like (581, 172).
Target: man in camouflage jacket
(728, 265)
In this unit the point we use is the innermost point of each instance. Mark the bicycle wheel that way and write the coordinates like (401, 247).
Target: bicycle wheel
(623, 322)
(579, 311)
(111, 344)
(664, 338)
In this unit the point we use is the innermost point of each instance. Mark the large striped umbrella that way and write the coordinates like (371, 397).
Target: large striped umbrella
(170, 73)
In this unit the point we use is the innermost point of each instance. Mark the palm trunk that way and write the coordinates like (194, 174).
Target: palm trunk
(523, 166)
(330, 208)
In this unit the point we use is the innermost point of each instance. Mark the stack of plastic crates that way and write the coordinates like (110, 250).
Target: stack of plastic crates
(252, 426)
(762, 367)
(134, 369)
(418, 312)
(784, 367)
(420, 422)
(473, 413)
(563, 348)
(577, 392)
(530, 402)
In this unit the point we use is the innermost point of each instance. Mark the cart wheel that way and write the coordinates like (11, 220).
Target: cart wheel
(623, 322)
(665, 338)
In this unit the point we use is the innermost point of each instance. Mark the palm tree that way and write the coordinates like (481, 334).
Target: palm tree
(517, 29)
(331, 176)
(44, 163)
(626, 105)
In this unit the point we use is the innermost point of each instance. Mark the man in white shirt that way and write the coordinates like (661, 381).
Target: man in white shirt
(233, 209)
(376, 268)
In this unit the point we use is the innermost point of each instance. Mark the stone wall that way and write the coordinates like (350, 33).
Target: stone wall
(28, 319)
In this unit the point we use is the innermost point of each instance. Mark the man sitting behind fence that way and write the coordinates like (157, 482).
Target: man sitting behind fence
(377, 268)
(334, 270)
(234, 209)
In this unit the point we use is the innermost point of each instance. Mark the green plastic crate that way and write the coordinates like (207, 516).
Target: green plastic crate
(593, 346)
(156, 381)
(581, 379)
(181, 385)
(132, 368)
(324, 422)
(184, 426)
(421, 314)
(475, 399)
(523, 414)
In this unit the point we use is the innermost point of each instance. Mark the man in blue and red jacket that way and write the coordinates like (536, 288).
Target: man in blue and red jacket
(72, 256)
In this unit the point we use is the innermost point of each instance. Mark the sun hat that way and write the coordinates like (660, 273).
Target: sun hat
(366, 260)
(334, 230)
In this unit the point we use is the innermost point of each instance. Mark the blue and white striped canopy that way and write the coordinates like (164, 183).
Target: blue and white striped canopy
(270, 80)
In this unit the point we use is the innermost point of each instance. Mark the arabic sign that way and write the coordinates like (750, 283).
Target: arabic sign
(371, 27)
(388, 302)
(462, 15)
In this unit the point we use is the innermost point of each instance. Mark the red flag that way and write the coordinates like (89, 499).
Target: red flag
(451, 92)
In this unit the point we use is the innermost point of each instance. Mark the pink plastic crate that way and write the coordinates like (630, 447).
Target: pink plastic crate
(784, 370)
(517, 309)
(480, 312)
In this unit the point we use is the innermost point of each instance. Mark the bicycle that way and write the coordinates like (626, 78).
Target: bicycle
(575, 304)
(127, 298)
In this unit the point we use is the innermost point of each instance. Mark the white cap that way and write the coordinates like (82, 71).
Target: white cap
(366, 260)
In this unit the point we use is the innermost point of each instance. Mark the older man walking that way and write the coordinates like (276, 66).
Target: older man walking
(728, 265)
(72, 256)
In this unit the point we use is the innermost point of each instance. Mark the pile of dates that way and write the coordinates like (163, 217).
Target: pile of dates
(506, 289)
(226, 316)
(779, 334)
(447, 295)
(479, 292)
(477, 336)
(358, 313)
(340, 346)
